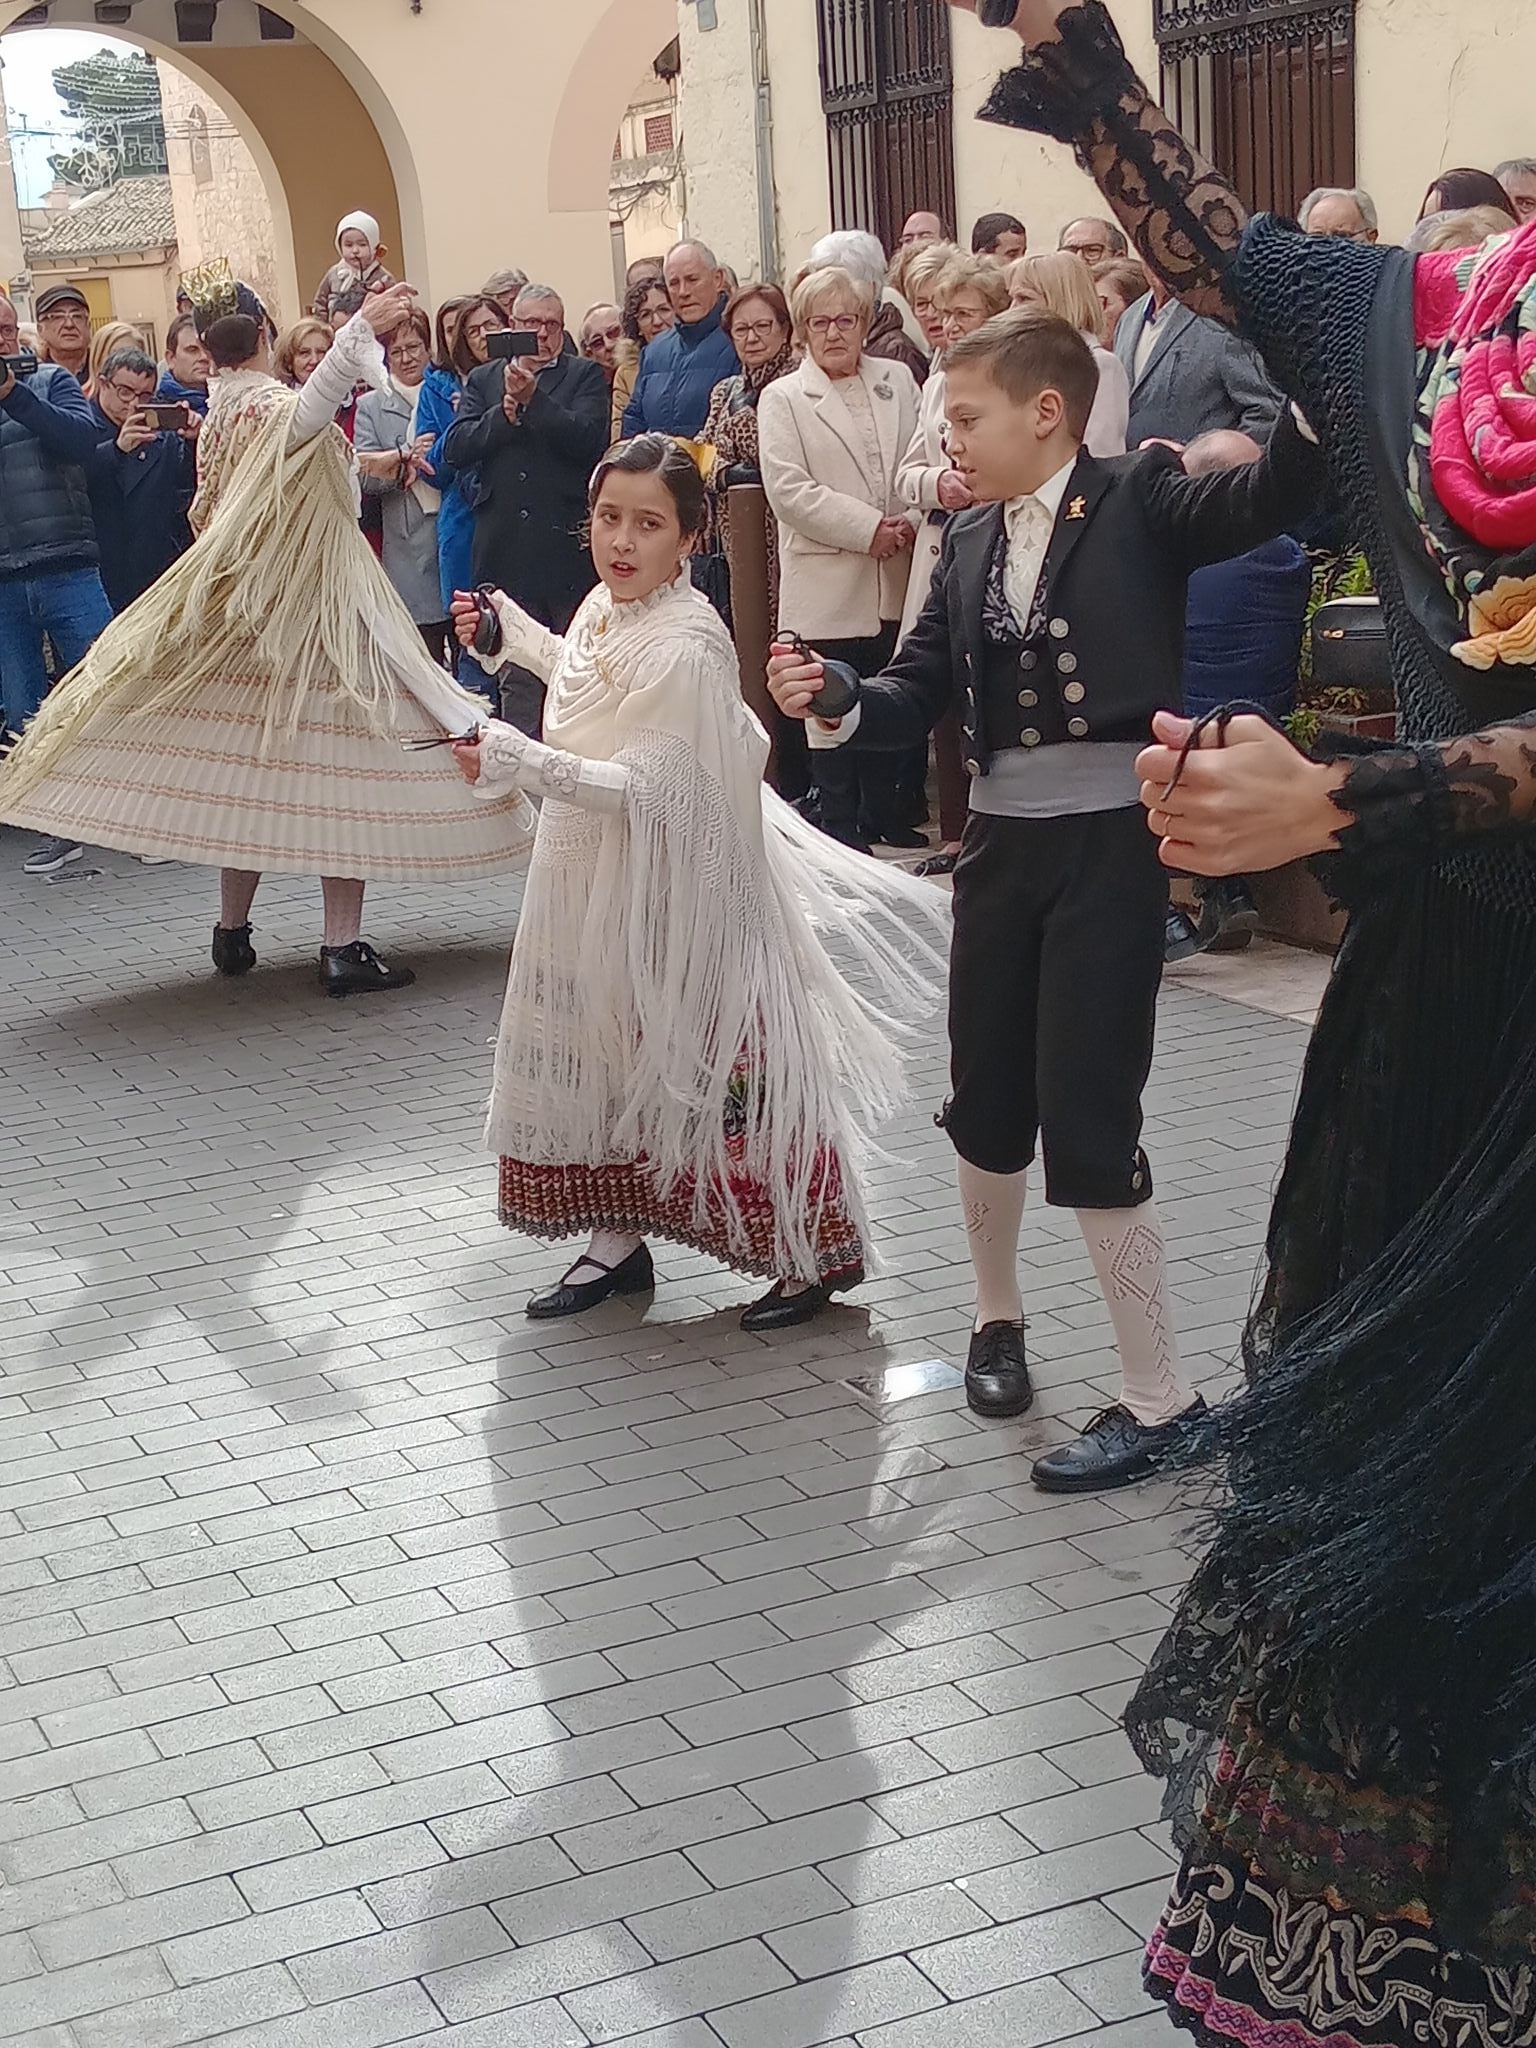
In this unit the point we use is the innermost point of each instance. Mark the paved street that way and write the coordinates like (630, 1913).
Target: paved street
(378, 1668)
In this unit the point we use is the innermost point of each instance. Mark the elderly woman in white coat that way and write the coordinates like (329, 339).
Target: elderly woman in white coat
(831, 436)
(966, 293)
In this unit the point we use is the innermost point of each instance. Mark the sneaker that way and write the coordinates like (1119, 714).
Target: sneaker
(52, 855)
(154, 860)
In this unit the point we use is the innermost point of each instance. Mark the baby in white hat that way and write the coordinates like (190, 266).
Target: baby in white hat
(360, 271)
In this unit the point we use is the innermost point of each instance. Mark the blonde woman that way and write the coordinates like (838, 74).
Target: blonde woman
(300, 351)
(1062, 283)
(925, 263)
(965, 293)
(831, 436)
(108, 341)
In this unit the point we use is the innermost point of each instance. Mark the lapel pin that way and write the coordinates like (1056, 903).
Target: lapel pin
(1078, 509)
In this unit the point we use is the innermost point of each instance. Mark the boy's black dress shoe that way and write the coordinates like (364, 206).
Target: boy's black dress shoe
(997, 1372)
(356, 970)
(1115, 1450)
(634, 1275)
(233, 952)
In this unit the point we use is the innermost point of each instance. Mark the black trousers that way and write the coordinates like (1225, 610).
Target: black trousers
(1055, 967)
(861, 793)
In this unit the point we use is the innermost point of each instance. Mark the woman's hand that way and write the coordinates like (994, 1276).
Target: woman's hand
(383, 464)
(385, 310)
(954, 491)
(891, 536)
(1239, 809)
(467, 754)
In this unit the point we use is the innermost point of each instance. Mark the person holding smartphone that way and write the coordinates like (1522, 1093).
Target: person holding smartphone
(141, 477)
(532, 422)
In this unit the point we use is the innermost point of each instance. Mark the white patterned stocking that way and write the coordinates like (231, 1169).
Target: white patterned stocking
(1126, 1246)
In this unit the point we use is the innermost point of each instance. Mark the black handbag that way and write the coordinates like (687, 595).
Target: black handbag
(1349, 646)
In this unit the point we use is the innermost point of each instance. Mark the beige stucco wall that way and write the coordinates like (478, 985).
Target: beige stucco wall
(718, 135)
(11, 261)
(142, 292)
(229, 212)
(1440, 85)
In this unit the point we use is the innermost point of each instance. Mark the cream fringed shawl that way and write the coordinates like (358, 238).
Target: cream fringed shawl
(707, 951)
(281, 592)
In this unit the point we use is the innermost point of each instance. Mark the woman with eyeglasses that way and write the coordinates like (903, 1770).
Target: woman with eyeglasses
(463, 331)
(831, 436)
(394, 456)
(647, 313)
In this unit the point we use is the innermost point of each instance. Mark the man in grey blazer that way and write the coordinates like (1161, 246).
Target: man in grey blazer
(1190, 376)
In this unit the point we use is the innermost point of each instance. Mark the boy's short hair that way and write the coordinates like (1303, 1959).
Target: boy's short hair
(1025, 352)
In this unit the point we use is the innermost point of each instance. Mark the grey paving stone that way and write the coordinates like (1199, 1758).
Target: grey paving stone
(535, 1914)
(847, 1935)
(1063, 1876)
(675, 1991)
(1049, 1944)
(399, 1954)
(804, 2014)
(1024, 2016)
(267, 1938)
(270, 1885)
(882, 1872)
(668, 1932)
(206, 2010)
(367, 1813)
(813, 1838)
(51, 1898)
(424, 1889)
(720, 1764)
(216, 1854)
(69, 1994)
(377, 2019)
(70, 1848)
(538, 1970)
(138, 1923)
(679, 1824)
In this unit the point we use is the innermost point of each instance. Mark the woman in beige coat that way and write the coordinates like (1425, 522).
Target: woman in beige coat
(830, 438)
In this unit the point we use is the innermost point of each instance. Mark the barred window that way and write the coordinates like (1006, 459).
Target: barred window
(658, 134)
(886, 94)
(1265, 89)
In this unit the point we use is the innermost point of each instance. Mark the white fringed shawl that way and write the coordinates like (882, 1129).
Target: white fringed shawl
(706, 941)
(281, 591)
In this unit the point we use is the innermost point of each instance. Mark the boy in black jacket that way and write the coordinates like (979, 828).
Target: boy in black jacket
(1057, 621)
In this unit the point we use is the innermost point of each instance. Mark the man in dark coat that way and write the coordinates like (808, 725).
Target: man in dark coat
(141, 480)
(533, 427)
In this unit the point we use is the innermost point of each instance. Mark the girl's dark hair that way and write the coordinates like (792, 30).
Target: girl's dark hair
(656, 455)
(634, 299)
(456, 357)
(768, 294)
(1455, 191)
(233, 340)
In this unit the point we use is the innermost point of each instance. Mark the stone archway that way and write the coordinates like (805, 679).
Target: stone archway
(323, 136)
(621, 43)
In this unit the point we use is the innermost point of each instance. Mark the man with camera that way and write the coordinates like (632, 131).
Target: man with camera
(533, 422)
(141, 476)
(49, 581)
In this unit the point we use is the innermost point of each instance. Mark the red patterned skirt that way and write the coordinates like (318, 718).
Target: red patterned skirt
(552, 1202)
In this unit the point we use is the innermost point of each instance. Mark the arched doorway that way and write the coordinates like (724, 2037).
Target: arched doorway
(323, 137)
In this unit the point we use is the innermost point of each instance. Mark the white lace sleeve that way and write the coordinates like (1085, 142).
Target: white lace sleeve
(523, 640)
(354, 357)
(510, 760)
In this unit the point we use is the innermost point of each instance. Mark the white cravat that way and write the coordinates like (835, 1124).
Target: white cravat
(1030, 522)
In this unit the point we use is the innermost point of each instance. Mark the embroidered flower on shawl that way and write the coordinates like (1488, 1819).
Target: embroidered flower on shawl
(1503, 622)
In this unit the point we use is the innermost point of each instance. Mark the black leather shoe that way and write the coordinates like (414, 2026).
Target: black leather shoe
(356, 970)
(777, 1310)
(233, 952)
(1181, 941)
(1114, 1450)
(906, 838)
(1229, 917)
(634, 1275)
(997, 1372)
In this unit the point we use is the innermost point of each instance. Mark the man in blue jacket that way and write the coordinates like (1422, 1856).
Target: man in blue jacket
(141, 480)
(49, 582)
(187, 366)
(680, 369)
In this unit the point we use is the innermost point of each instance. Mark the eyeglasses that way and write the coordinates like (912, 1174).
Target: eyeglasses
(1091, 252)
(531, 324)
(127, 396)
(836, 323)
(757, 330)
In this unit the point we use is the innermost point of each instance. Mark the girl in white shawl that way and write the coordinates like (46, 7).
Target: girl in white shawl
(256, 708)
(679, 1057)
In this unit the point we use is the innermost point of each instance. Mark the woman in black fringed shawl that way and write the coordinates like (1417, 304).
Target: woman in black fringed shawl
(1345, 1705)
